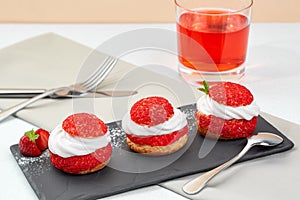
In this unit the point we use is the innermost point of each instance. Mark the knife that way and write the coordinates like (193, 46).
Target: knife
(27, 93)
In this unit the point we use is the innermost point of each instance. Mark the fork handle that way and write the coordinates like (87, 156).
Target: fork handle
(9, 111)
(19, 93)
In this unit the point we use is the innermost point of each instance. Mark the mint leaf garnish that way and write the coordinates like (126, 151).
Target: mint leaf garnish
(205, 89)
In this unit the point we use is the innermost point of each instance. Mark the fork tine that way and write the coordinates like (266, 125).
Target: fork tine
(99, 75)
(95, 73)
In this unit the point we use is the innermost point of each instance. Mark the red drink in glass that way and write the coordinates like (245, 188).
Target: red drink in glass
(222, 35)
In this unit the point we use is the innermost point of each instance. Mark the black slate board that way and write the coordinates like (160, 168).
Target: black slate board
(128, 170)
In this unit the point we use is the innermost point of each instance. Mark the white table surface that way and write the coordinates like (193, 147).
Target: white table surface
(272, 74)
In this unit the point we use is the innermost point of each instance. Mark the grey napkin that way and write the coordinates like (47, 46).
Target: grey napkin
(50, 60)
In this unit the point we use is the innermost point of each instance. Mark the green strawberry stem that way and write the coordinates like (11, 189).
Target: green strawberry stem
(31, 135)
(205, 89)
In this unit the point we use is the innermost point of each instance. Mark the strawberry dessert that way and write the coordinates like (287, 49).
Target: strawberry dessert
(154, 127)
(33, 143)
(226, 111)
(80, 145)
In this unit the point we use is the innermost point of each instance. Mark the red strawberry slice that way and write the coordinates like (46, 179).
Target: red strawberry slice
(42, 140)
(151, 111)
(225, 129)
(76, 164)
(28, 145)
(161, 140)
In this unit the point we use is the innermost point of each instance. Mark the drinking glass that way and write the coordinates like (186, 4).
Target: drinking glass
(212, 39)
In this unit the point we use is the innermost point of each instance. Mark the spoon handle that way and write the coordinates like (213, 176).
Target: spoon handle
(196, 185)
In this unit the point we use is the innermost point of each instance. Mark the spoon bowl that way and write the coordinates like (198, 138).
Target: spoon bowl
(263, 139)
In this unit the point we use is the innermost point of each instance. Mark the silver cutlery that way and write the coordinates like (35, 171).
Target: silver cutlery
(93, 80)
(264, 139)
(28, 93)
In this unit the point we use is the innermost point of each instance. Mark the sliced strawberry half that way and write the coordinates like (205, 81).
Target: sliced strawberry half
(42, 140)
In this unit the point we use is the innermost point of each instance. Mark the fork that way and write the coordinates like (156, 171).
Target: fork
(93, 80)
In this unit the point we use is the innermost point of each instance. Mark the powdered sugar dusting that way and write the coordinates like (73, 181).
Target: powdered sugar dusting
(189, 111)
(117, 135)
(34, 166)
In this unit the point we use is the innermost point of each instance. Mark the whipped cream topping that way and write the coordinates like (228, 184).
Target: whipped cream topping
(208, 106)
(175, 123)
(65, 145)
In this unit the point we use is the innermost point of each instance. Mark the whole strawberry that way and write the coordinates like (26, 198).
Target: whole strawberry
(33, 143)
(28, 145)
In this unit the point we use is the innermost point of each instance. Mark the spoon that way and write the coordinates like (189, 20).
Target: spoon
(264, 139)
